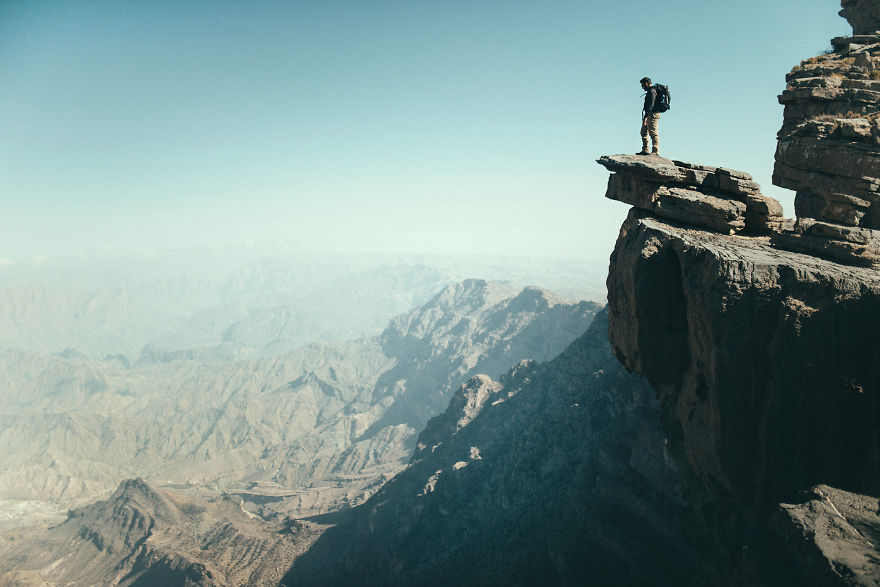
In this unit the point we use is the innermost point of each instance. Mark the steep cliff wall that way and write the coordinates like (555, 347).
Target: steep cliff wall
(765, 361)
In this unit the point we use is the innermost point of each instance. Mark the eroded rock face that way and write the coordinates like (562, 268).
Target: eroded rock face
(559, 479)
(721, 199)
(829, 143)
(764, 350)
(765, 361)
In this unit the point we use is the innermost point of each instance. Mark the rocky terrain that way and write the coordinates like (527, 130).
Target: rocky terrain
(140, 536)
(721, 199)
(719, 424)
(763, 349)
(765, 363)
(336, 418)
(313, 430)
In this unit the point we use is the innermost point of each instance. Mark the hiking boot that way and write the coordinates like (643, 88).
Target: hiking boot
(654, 152)
(643, 152)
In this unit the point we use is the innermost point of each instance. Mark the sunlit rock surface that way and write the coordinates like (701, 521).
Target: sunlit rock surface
(829, 145)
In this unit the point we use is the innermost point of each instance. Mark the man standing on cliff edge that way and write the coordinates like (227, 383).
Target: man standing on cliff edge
(650, 118)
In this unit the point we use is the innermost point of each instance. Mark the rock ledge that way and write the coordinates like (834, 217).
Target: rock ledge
(717, 198)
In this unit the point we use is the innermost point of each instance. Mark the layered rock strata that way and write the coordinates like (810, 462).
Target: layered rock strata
(829, 144)
(721, 199)
(764, 351)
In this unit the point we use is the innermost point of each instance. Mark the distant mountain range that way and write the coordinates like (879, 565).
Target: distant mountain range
(242, 448)
(245, 304)
(320, 425)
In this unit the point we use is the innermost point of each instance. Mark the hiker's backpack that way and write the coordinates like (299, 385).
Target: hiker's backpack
(662, 102)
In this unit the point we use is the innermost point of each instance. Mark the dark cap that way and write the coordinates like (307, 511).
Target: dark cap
(645, 80)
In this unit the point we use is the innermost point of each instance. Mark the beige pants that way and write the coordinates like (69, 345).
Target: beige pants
(649, 127)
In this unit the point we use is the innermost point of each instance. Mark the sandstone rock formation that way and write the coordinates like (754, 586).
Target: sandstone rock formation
(829, 145)
(765, 362)
(717, 198)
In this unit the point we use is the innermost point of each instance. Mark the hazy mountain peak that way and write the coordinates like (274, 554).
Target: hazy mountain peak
(470, 294)
(447, 308)
(537, 298)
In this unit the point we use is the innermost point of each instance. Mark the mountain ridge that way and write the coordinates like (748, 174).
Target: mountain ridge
(72, 427)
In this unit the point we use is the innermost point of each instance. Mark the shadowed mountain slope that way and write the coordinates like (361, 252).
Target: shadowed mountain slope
(553, 475)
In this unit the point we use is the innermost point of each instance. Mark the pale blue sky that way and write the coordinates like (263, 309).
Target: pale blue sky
(461, 127)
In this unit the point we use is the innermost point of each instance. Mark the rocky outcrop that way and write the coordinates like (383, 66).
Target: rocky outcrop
(765, 362)
(717, 198)
(862, 15)
(833, 535)
(829, 145)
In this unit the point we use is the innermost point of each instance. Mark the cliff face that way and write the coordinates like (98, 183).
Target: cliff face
(765, 361)
(761, 339)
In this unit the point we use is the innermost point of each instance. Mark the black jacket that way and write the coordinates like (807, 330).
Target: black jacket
(650, 99)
